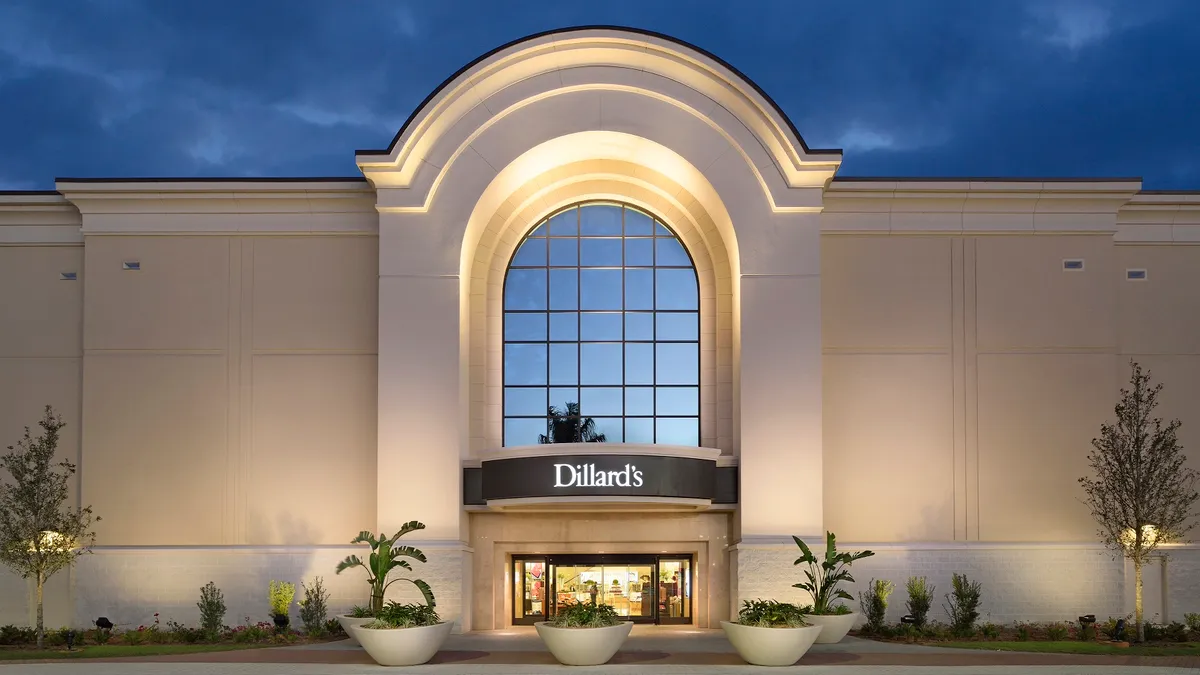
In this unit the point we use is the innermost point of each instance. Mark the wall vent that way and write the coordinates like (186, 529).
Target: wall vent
(68, 276)
(1073, 264)
(1135, 274)
(131, 265)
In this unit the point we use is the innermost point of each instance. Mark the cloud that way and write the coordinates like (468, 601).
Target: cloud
(293, 87)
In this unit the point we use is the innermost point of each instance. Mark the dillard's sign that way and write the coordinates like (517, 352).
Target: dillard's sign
(586, 475)
(597, 475)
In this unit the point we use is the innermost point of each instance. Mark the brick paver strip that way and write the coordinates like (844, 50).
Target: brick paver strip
(948, 658)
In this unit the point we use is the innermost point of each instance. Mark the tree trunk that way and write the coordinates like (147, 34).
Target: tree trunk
(376, 604)
(41, 631)
(1137, 600)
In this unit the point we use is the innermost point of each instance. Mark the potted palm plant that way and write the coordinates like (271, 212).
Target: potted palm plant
(584, 633)
(824, 575)
(385, 557)
(403, 634)
(770, 633)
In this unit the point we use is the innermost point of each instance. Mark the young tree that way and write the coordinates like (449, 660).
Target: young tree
(39, 533)
(1141, 494)
(569, 426)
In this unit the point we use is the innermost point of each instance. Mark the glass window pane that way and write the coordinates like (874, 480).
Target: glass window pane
(599, 252)
(639, 326)
(600, 363)
(611, 428)
(677, 363)
(564, 326)
(599, 289)
(600, 219)
(662, 230)
(637, 222)
(600, 401)
(564, 251)
(564, 363)
(677, 401)
(600, 326)
(639, 252)
(532, 252)
(670, 252)
(539, 231)
(525, 289)
(639, 363)
(560, 397)
(566, 222)
(639, 289)
(676, 289)
(523, 431)
(639, 430)
(639, 401)
(677, 326)
(524, 401)
(564, 289)
(524, 364)
(525, 327)
(677, 431)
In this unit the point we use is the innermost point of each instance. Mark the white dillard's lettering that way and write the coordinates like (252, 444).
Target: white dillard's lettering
(586, 475)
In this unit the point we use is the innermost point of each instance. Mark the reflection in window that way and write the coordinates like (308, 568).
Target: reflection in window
(602, 310)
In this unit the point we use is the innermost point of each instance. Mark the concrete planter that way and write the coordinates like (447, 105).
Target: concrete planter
(402, 646)
(833, 626)
(770, 646)
(348, 621)
(583, 646)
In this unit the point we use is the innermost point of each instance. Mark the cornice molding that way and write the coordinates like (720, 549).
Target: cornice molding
(278, 207)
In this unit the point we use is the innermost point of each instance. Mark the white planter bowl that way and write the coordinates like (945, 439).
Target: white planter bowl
(583, 646)
(348, 621)
(402, 646)
(833, 626)
(770, 646)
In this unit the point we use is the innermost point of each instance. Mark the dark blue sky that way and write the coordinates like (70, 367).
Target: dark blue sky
(906, 87)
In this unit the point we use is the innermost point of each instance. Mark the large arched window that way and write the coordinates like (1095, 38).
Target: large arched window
(602, 309)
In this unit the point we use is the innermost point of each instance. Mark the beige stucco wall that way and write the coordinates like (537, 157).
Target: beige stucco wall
(219, 381)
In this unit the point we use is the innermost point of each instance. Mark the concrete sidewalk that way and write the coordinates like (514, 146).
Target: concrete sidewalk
(650, 649)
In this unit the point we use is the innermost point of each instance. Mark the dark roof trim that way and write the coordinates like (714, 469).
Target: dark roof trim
(994, 179)
(217, 179)
(28, 193)
(576, 29)
(1169, 192)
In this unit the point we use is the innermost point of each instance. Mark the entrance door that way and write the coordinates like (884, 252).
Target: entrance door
(640, 588)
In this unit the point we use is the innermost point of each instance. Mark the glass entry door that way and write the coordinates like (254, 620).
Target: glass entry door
(641, 588)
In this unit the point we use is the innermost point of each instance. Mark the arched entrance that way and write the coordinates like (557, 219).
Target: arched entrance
(597, 114)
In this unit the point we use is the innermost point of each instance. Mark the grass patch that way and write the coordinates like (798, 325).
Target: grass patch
(1075, 647)
(121, 651)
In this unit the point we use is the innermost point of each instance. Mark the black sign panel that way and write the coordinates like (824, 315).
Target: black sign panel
(599, 475)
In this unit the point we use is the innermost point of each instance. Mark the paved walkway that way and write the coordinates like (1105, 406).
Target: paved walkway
(650, 649)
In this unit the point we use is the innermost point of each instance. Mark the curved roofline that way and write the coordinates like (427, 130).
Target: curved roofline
(590, 27)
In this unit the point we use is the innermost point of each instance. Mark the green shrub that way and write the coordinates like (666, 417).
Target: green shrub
(1087, 633)
(963, 605)
(396, 615)
(920, 599)
(17, 635)
(360, 612)
(184, 634)
(585, 615)
(333, 627)
(280, 595)
(935, 631)
(212, 611)
(133, 637)
(874, 603)
(1024, 632)
(1109, 628)
(1056, 632)
(990, 631)
(771, 614)
(1174, 632)
(313, 611)
(1192, 619)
